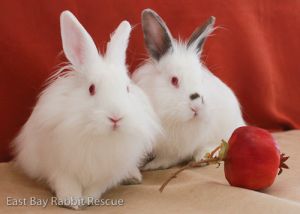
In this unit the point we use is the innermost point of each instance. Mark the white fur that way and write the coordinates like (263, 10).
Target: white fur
(68, 139)
(185, 136)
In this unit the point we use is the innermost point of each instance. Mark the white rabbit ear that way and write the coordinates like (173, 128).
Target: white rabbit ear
(157, 36)
(78, 45)
(201, 33)
(116, 47)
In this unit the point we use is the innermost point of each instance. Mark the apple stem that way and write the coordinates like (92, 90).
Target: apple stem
(214, 151)
(209, 160)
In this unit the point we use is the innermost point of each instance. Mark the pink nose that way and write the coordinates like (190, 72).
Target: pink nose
(115, 120)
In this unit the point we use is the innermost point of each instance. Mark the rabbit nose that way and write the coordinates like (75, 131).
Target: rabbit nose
(194, 96)
(115, 120)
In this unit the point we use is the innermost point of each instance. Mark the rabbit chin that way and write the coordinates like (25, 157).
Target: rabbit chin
(194, 120)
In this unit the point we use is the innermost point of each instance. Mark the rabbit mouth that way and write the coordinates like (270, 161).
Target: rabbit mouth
(195, 117)
(115, 127)
(195, 114)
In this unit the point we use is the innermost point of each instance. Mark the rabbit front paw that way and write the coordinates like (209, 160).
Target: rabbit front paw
(135, 177)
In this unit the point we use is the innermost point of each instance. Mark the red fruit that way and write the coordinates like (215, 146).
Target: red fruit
(252, 159)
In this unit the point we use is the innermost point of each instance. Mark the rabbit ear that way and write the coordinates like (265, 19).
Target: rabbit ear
(157, 36)
(116, 48)
(78, 45)
(199, 36)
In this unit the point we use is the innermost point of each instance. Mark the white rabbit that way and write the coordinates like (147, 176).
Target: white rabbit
(197, 110)
(91, 126)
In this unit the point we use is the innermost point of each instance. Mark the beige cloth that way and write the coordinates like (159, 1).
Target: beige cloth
(201, 190)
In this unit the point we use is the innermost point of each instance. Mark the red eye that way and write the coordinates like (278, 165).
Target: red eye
(128, 89)
(175, 82)
(92, 89)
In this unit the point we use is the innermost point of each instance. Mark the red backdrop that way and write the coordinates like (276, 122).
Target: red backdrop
(256, 51)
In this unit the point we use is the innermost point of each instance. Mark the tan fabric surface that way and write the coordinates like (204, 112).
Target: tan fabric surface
(202, 190)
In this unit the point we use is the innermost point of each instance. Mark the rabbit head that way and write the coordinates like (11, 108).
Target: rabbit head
(177, 77)
(97, 93)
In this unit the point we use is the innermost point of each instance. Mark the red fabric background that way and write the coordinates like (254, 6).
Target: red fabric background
(256, 52)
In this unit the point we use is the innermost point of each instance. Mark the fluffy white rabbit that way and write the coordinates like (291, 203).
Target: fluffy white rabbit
(91, 125)
(197, 110)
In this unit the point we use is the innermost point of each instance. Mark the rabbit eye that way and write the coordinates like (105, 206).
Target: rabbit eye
(92, 89)
(128, 89)
(175, 81)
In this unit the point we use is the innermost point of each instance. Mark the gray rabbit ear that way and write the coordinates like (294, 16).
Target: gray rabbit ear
(157, 37)
(201, 33)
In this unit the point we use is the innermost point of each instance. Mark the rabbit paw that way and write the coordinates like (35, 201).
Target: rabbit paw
(135, 177)
(68, 192)
(92, 193)
(157, 164)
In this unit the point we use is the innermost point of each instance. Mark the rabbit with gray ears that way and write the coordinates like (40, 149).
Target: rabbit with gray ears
(91, 125)
(197, 110)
